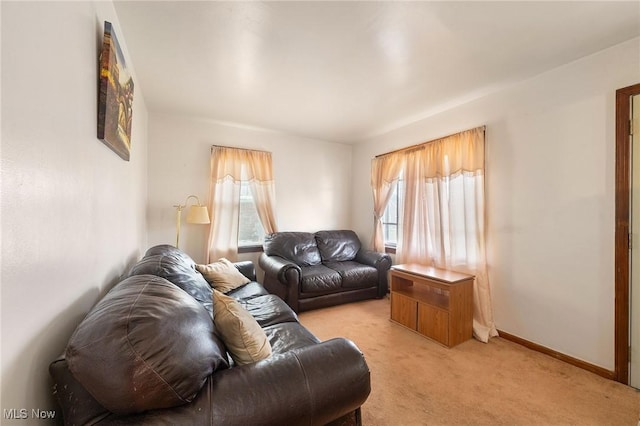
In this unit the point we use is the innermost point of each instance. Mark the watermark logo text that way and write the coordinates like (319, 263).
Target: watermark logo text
(23, 414)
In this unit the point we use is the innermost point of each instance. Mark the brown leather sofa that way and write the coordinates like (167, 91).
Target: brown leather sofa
(149, 353)
(326, 268)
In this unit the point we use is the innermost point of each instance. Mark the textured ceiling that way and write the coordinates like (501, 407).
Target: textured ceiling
(344, 71)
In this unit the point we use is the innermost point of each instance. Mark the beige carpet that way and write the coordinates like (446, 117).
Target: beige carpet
(415, 381)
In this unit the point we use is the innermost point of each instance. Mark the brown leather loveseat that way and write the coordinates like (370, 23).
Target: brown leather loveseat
(149, 353)
(326, 268)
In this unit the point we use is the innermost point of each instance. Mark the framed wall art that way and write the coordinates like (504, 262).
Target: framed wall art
(115, 96)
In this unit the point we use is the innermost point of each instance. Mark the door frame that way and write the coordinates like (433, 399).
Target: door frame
(622, 213)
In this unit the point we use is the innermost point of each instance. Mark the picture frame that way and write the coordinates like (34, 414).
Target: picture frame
(115, 96)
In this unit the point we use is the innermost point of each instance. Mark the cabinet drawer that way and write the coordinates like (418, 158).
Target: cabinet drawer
(433, 323)
(404, 310)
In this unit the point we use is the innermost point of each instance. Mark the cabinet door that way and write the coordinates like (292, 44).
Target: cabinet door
(433, 323)
(404, 310)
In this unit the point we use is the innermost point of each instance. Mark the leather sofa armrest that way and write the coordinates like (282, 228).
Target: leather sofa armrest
(380, 261)
(77, 405)
(247, 269)
(279, 267)
(312, 385)
(282, 278)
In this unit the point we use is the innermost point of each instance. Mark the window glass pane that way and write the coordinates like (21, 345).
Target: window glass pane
(391, 217)
(250, 231)
(391, 213)
(391, 234)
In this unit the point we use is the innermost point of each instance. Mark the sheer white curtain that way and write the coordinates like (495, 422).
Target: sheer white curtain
(229, 168)
(384, 178)
(262, 188)
(443, 221)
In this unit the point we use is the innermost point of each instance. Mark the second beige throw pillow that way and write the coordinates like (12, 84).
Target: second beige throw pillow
(241, 333)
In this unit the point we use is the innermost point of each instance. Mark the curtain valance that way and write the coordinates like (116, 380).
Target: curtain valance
(237, 164)
(449, 156)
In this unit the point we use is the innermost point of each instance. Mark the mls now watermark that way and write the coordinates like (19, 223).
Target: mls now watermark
(23, 414)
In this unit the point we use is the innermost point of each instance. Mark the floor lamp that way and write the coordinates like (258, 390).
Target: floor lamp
(197, 214)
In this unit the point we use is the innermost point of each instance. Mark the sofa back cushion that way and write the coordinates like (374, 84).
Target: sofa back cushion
(298, 247)
(176, 266)
(338, 246)
(146, 345)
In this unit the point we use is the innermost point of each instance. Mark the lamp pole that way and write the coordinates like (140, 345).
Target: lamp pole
(178, 217)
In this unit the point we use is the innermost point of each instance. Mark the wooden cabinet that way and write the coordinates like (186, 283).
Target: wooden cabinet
(433, 302)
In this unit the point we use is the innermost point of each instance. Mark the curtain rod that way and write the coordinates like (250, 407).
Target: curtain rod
(241, 149)
(484, 129)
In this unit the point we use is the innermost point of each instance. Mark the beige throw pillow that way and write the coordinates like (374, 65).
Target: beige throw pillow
(241, 333)
(222, 275)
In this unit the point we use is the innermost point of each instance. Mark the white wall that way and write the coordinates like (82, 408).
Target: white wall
(73, 212)
(550, 196)
(312, 177)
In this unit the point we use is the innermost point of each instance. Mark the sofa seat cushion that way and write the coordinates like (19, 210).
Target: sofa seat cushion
(269, 310)
(248, 291)
(319, 279)
(146, 345)
(355, 275)
(286, 336)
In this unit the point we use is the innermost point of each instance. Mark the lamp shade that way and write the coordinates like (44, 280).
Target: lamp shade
(198, 214)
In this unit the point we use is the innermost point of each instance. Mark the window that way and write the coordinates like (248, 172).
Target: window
(440, 199)
(242, 201)
(250, 230)
(392, 217)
